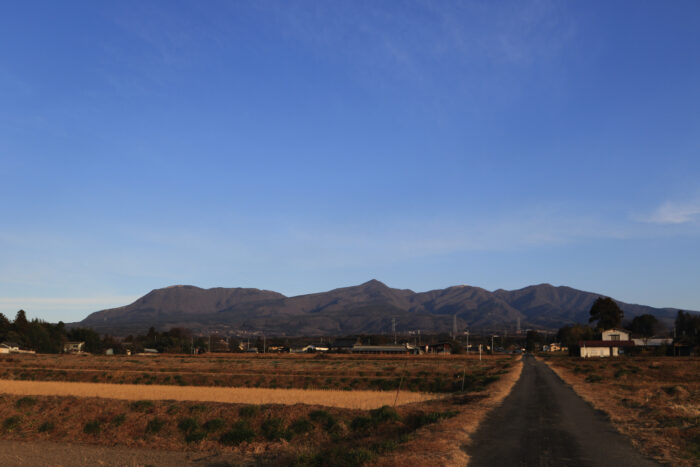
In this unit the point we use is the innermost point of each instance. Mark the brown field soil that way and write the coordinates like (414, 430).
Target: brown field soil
(428, 373)
(653, 400)
(273, 434)
(331, 398)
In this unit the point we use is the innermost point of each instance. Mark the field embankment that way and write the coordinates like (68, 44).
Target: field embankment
(655, 401)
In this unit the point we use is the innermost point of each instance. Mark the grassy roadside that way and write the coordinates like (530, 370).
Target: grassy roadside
(444, 444)
(655, 401)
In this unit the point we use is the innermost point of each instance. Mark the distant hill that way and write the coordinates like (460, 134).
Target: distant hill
(365, 308)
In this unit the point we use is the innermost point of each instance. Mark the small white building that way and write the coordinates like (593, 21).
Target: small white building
(615, 335)
(653, 341)
(73, 347)
(9, 347)
(611, 344)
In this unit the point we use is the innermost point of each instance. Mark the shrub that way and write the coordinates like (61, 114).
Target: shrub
(25, 402)
(118, 419)
(11, 423)
(214, 424)
(248, 411)
(384, 414)
(154, 425)
(195, 436)
(92, 428)
(301, 426)
(240, 432)
(273, 429)
(187, 425)
(46, 427)
(361, 423)
(340, 456)
(198, 408)
(419, 419)
(142, 406)
(383, 447)
(324, 418)
(593, 378)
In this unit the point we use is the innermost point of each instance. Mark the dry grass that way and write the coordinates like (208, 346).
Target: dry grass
(443, 444)
(427, 373)
(653, 400)
(423, 427)
(346, 399)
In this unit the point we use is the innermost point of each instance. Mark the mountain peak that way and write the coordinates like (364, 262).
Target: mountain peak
(375, 283)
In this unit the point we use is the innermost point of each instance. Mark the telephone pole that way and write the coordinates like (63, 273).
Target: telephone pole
(393, 328)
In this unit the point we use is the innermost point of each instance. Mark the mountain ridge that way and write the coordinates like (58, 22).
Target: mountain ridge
(359, 309)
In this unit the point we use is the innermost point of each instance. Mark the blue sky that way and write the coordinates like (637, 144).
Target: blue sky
(302, 146)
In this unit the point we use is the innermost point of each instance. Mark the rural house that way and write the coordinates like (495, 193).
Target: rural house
(73, 347)
(610, 345)
(388, 349)
(345, 344)
(9, 347)
(652, 341)
(441, 348)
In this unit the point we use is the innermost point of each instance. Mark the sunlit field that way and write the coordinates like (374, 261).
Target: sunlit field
(332, 398)
(428, 374)
(355, 409)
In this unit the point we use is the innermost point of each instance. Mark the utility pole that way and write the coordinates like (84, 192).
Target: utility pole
(454, 327)
(264, 344)
(209, 343)
(393, 328)
(491, 344)
(467, 332)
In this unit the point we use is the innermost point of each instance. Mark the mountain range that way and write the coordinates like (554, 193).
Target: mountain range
(368, 308)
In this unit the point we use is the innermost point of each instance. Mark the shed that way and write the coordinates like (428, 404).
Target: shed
(73, 347)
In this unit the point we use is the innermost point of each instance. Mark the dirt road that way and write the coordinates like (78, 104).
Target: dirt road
(544, 423)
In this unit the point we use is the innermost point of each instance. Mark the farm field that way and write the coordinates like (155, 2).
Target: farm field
(430, 373)
(331, 398)
(653, 400)
(292, 430)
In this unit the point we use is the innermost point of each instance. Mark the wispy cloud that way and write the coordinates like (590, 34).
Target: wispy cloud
(675, 213)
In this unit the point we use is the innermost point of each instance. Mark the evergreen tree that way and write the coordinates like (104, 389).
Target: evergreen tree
(606, 312)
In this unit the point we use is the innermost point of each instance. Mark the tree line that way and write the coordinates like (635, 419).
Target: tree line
(46, 337)
(606, 314)
(42, 336)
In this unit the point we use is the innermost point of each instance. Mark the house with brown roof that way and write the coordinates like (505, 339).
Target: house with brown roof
(611, 344)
